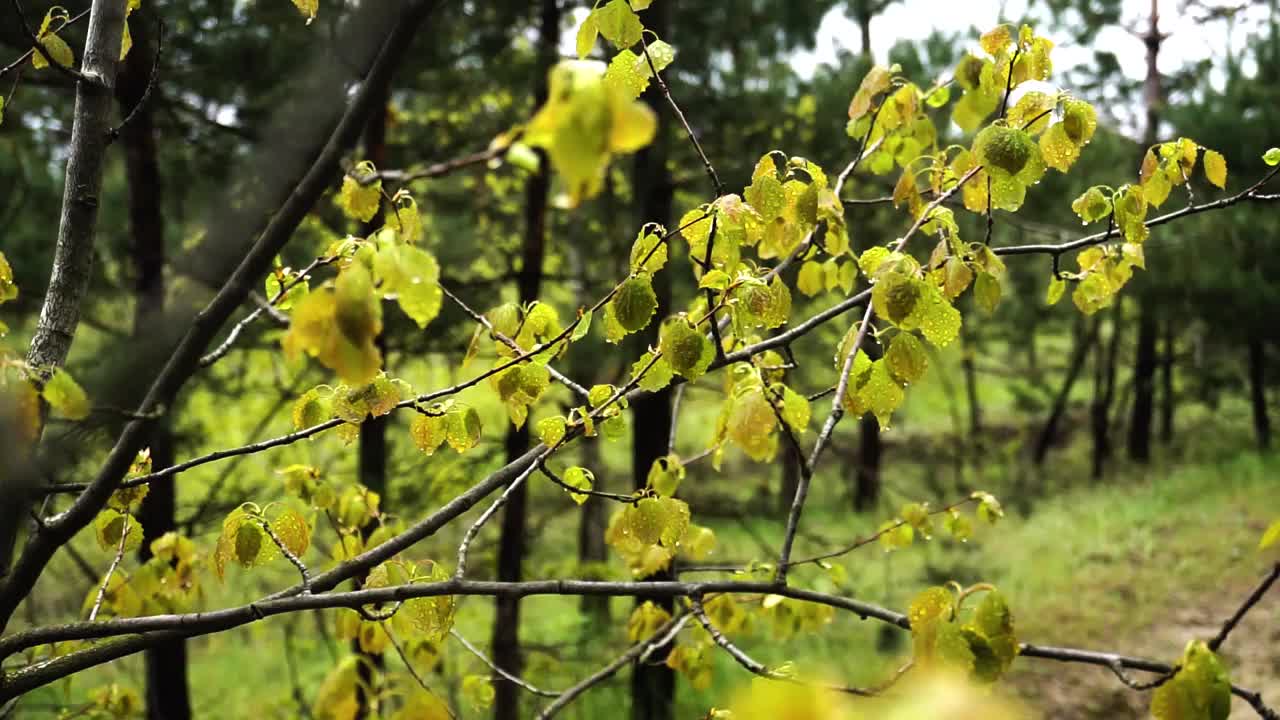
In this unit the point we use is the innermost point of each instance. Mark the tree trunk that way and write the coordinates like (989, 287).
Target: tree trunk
(1104, 392)
(1167, 400)
(1144, 367)
(372, 458)
(1144, 376)
(168, 696)
(591, 527)
(653, 684)
(866, 484)
(1048, 433)
(512, 542)
(969, 351)
(73, 254)
(1258, 391)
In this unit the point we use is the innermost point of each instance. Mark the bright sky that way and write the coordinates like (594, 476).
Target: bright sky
(1189, 41)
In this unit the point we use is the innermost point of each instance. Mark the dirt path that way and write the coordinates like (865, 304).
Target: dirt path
(1252, 654)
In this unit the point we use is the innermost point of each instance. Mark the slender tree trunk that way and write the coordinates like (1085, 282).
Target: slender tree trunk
(1168, 402)
(73, 254)
(168, 696)
(970, 351)
(1144, 376)
(1144, 368)
(1104, 392)
(866, 487)
(372, 458)
(1079, 356)
(653, 684)
(1258, 391)
(512, 543)
(591, 528)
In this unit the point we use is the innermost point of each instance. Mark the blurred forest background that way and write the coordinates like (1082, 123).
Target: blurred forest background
(1131, 448)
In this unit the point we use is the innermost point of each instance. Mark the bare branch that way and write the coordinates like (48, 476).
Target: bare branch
(115, 563)
(492, 666)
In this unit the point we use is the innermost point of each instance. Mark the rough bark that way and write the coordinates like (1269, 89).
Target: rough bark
(1258, 391)
(296, 180)
(73, 253)
(167, 692)
(512, 542)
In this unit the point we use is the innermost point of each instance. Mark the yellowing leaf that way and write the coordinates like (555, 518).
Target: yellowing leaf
(686, 349)
(65, 396)
(361, 195)
(308, 8)
(581, 479)
(618, 24)
(8, 290)
(1215, 168)
(588, 31)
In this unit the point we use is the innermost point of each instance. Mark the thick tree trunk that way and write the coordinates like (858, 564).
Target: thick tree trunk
(1048, 433)
(372, 467)
(73, 254)
(512, 543)
(168, 695)
(1258, 391)
(653, 684)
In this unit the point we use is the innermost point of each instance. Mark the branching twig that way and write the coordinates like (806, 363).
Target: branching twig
(114, 133)
(494, 667)
(414, 673)
(639, 650)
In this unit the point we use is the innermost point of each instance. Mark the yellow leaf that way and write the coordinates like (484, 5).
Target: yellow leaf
(309, 8)
(1215, 168)
(65, 396)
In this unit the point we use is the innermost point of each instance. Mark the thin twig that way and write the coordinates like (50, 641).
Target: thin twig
(1245, 607)
(114, 133)
(494, 667)
(115, 563)
(414, 673)
(289, 555)
(659, 638)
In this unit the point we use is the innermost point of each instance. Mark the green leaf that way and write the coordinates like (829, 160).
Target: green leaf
(8, 290)
(1201, 690)
(65, 396)
(649, 251)
(686, 349)
(986, 291)
(1272, 156)
(1092, 205)
(635, 303)
(1057, 286)
(551, 430)
(906, 358)
(989, 507)
(462, 429)
(810, 279)
(665, 475)
(657, 376)
(618, 24)
(580, 478)
(583, 327)
(588, 31)
(478, 691)
(108, 526)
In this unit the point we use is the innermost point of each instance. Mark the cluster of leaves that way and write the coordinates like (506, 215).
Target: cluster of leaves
(1105, 269)
(338, 322)
(980, 643)
(917, 520)
(649, 532)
